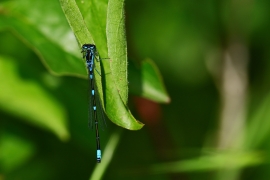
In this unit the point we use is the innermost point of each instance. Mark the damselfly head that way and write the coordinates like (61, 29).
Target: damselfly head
(90, 47)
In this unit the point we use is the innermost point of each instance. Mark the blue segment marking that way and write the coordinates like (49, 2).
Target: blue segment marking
(99, 154)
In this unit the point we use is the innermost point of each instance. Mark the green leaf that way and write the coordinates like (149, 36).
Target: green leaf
(114, 91)
(28, 100)
(76, 22)
(117, 46)
(116, 109)
(147, 82)
(94, 13)
(46, 32)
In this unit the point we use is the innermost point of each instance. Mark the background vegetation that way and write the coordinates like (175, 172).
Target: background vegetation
(214, 60)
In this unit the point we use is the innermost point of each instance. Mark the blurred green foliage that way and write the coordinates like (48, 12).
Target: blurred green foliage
(43, 117)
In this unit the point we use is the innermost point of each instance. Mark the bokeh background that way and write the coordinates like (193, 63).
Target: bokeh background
(214, 60)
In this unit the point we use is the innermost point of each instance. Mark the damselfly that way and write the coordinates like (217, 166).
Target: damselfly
(95, 112)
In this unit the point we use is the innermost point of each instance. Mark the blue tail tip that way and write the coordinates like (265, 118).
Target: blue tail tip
(98, 156)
